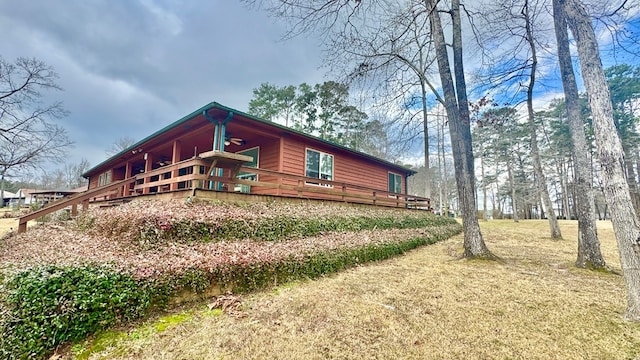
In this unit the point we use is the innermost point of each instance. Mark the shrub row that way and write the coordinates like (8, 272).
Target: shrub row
(257, 276)
(149, 223)
(47, 306)
(275, 228)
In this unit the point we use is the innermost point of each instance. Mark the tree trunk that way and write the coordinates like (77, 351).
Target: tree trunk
(512, 191)
(427, 165)
(564, 180)
(501, 204)
(589, 255)
(631, 179)
(440, 164)
(541, 181)
(457, 108)
(484, 187)
(2, 185)
(609, 147)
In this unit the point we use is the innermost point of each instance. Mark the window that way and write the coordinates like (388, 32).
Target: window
(319, 165)
(104, 178)
(253, 152)
(395, 183)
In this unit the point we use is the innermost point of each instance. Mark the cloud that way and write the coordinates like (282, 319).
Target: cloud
(129, 68)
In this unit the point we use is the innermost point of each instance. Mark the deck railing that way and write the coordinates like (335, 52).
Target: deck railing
(194, 174)
(292, 185)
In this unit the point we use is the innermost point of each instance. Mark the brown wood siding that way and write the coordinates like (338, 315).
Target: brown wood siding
(293, 158)
(93, 182)
(269, 158)
(346, 167)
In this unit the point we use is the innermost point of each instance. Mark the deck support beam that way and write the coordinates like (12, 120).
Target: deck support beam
(175, 157)
(148, 166)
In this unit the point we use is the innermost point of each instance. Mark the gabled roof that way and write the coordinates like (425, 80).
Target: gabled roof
(215, 105)
(9, 195)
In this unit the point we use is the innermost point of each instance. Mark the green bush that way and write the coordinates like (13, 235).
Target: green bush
(50, 305)
(155, 222)
(257, 276)
(279, 227)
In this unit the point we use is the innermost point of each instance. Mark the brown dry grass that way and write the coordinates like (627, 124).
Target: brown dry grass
(428, 304)
(7, 224)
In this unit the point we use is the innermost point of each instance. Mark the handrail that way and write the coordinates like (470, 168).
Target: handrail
(169, 168)
(327, 182)
(71, 200)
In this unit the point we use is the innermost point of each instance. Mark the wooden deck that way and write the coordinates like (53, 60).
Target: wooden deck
(194, 174)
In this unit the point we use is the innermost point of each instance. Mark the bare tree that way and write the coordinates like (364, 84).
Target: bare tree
(73, 173)
(609, 147)
(325, 15)
(513, 67)
(541, 181)
(589, 255)
(457, 108)
(28, 133)
(398, 55)
(119, 145)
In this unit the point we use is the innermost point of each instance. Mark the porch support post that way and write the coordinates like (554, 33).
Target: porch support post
(148, 166)
(223, 136)
(219, 136)
(406, 189)
(177, 150)
(127, 174)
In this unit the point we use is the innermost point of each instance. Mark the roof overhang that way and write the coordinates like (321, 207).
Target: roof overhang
(219, 112)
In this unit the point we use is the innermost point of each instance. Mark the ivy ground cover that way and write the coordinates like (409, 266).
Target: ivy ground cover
(63, 282)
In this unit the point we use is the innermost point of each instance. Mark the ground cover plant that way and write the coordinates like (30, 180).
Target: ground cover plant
(427, 304)
(63, 282)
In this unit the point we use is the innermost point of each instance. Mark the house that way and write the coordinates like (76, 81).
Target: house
(220, 149)
(7, 197)
(26, 197)
(22, 197)
(217, 152)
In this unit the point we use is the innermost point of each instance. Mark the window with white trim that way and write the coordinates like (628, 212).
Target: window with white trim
(395, 183)
(104, 178)
(319, 165)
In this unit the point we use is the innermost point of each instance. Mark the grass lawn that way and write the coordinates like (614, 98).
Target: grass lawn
(427, 304)
(8, 224)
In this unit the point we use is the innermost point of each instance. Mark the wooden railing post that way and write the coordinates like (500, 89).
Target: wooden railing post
(74, 209)
(22, 226)
(344, 191)
(300, 187)
(374, 198)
